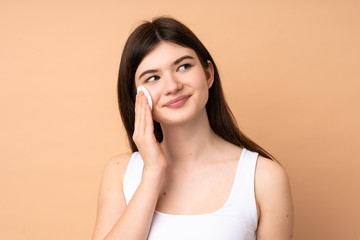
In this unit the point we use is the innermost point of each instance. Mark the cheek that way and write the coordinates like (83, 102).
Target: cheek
(198, 78)
(200, 83)
(204, 97)
(155, 93)
(203, 91)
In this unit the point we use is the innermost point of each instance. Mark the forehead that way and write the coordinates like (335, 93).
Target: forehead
(164, 54)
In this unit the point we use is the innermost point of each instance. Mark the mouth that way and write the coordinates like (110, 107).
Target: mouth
(177, 102)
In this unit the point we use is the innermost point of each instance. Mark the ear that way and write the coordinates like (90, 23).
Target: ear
(209, 73)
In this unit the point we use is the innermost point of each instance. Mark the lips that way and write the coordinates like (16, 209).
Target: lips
(177, 102)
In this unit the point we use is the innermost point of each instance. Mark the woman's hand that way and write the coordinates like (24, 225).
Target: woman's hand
(116, 217)
(144, 138)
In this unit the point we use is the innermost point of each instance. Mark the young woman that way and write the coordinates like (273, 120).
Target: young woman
(192, 173)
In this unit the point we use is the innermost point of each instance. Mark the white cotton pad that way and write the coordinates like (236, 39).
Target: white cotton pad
(147, 94)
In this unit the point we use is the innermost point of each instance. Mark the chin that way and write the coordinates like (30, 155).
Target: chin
(173, 120)
(178, 117)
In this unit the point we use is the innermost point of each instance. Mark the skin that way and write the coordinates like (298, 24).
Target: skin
(191, 161)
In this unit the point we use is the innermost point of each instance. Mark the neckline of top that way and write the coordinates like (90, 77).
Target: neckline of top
(223, 206)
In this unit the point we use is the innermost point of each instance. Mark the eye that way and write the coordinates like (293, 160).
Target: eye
(185, 66)
(152, 79)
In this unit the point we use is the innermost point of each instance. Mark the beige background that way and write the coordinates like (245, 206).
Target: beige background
(290, 71)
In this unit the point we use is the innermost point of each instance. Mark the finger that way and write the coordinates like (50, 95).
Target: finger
(149, 120)
(141, 126)
(136, 127)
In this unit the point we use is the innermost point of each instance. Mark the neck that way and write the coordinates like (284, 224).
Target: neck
(189, 141)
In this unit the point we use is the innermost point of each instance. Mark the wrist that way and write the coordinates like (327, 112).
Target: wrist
(154, 174)
(157, 167)
(154, 171)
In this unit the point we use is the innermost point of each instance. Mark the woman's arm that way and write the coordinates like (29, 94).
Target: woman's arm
(273, 196)
(132, 222)
(115, 220)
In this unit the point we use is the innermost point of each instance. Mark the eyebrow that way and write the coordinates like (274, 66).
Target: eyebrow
(177, 61)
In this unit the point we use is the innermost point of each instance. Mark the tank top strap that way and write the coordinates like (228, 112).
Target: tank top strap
(133, 176)
(246, 168)
(242, 199)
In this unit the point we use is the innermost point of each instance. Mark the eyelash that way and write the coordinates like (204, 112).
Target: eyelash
(149, 79)
(186, 65)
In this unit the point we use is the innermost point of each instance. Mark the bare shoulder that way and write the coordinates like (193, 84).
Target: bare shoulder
(112, 177)
(270, 172)
(273, 196)
(271, 180)
(111, 200)
(116, 165)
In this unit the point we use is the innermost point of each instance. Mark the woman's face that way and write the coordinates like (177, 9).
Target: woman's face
(176, 81)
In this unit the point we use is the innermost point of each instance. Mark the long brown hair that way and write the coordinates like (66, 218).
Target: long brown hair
(141, 41)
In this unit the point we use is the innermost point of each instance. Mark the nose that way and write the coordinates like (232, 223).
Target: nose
(171, 84)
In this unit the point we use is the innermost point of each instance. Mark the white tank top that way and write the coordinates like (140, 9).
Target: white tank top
(235, 220)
